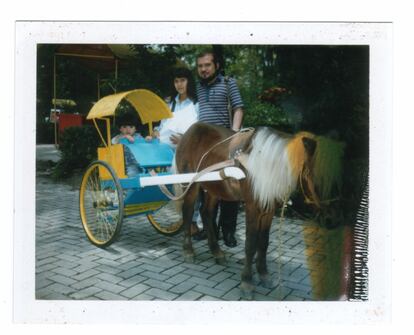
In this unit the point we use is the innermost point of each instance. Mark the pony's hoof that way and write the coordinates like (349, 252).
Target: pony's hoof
(189, 257)
(221, 260)
(246, 291)
(266, 282)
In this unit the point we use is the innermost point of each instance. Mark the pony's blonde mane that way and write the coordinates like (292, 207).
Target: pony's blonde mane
(276, 162)
(269, 168)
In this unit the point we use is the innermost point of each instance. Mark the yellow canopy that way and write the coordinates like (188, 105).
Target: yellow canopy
(149, 106)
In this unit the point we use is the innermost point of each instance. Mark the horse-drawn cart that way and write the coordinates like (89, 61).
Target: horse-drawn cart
(108, 194)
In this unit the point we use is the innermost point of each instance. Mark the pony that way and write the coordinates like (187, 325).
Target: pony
(275, 165)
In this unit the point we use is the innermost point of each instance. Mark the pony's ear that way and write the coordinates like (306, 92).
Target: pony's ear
(310, 145)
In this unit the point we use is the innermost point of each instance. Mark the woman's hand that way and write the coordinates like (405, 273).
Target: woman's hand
(175, 138)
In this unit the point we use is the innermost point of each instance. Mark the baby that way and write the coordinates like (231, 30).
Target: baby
(127, 130)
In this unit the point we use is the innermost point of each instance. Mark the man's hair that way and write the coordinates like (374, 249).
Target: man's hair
(208, 52)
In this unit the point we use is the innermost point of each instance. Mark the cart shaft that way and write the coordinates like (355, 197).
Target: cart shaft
(229, 172)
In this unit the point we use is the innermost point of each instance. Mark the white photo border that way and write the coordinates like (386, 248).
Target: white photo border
(379, 38)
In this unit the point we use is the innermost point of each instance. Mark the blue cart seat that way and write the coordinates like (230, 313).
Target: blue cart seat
(150, 154)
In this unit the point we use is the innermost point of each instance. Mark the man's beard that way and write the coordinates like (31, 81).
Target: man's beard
(207, 80)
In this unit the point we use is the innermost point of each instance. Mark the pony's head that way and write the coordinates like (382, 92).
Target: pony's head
(301, 149)
(319, 163)
(278, 164)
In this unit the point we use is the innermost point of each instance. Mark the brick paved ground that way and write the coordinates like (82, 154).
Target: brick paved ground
(145, 265)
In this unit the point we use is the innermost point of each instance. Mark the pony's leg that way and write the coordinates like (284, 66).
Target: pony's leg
(262, 245)
(188, 211)
(246, 285)
(207, 214)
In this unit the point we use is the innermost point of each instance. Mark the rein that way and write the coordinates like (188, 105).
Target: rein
(244, 130)
(308, 200)
(211, 168)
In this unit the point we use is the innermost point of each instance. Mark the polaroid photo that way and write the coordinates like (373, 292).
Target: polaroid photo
(289, 125)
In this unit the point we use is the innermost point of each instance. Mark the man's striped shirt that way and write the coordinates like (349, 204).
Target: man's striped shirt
(213, 101)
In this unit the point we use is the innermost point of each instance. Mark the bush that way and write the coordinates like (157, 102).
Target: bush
(78, 146)
(265, 114)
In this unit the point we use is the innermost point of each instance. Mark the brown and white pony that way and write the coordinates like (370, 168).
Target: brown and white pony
(276, 163)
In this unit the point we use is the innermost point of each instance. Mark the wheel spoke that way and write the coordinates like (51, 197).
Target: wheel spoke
(101, 210)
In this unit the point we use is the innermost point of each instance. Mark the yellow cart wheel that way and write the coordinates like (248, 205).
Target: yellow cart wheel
(167, 220)
(101, 204)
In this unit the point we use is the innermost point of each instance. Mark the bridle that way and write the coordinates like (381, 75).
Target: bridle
(313, 199)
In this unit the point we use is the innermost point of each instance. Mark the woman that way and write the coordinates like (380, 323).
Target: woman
(184, 106)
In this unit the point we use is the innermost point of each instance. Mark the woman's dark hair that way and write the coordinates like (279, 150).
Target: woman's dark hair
(183, 72)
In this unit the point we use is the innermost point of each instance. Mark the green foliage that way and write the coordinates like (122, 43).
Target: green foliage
(78, 146)
(265, 114)
(328, 165)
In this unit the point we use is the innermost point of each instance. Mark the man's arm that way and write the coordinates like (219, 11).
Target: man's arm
(237, 118)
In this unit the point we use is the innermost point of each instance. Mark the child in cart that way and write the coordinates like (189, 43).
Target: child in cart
(127, 131)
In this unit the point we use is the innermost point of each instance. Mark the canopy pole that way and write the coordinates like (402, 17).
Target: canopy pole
(99, 132)
(108, 130)
(150, 128)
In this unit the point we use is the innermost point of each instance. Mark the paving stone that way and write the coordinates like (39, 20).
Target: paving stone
(195, 273)
(103, 295)
(131, 281)
(158, 284)
(135, 290)
(154, 275)
(41, 283)
(131, 272)
(161, 294)
(143, 265)
(64, 272)
(189, 296)
(232, 295)
(62, 279)
(87, 293)
(144, 297)
(183, 287)
(59, 288)
(215, 269)
(227, 284)
(174, 270)
(202, 281)
(108, 269)
(107, 286)
(302, 294)
(208, 298)
(109, 278)
(179, 278)
(85, 283)
(85, 274)
(209, 291)
(219, 277)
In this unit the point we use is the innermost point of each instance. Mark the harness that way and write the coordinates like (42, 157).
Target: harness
(236, 156)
